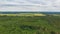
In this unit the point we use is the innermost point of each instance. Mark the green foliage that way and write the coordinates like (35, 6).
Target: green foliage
(29, 24)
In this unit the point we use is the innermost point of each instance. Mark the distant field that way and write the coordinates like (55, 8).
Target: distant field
(13, 24)
(28, 14)
(22, 15)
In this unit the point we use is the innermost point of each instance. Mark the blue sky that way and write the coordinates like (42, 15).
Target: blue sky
(29, 5)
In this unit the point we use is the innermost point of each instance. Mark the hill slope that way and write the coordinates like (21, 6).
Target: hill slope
(30, 24)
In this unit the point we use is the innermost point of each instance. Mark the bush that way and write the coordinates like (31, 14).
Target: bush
(26, 27)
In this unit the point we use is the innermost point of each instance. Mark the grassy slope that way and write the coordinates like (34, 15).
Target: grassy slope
(29, 25)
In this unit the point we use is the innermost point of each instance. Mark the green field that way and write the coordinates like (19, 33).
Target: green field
(48, 24)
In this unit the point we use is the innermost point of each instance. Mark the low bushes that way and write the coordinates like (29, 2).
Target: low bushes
(26, 27)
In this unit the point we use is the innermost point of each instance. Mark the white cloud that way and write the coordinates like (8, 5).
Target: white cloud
(53, 5)
(32, 5)
(18, 5)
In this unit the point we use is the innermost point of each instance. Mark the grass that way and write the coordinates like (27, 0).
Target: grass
(30, 24)
(22, 14)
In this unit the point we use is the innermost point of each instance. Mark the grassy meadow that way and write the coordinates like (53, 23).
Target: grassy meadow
(29, 24)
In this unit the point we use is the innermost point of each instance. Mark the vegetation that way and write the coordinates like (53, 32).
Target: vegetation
(30, 24)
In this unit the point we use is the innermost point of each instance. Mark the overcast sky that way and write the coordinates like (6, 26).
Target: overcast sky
(29, 5)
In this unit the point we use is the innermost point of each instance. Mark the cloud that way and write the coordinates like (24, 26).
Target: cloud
(52, 5)
(29, 5)
(18, 5)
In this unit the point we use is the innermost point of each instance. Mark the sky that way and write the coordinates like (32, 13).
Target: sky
(29, 5)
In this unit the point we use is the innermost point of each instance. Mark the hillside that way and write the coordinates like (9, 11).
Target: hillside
(48, 24)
